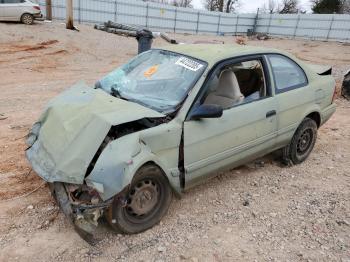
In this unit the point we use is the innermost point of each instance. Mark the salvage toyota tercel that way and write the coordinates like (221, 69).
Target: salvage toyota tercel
(169, 119)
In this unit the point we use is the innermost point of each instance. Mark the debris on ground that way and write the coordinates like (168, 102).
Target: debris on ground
(345, 90)
(168, 39)
(130, 31)
(241, 40)
(261, 36)
(119, 29)
(2, 116)
(209, 42)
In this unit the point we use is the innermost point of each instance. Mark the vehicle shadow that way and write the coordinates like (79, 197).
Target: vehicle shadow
(36, 22)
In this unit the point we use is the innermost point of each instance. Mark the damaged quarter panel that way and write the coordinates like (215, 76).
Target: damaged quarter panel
(121, 158)
(73, 127)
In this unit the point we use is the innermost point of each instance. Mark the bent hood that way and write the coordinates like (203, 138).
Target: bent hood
(72, 128)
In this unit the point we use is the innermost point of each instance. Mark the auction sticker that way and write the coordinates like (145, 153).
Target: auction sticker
(188, 63)
(151, 71)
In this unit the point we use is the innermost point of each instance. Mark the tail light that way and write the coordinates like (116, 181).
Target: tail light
(36, 7)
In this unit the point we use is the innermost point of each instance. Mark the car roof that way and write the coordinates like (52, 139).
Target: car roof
(213, 53)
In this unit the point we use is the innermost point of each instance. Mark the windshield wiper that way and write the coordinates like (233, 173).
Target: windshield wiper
(116, 93)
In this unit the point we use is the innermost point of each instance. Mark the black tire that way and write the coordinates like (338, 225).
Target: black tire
(302, 143)
(27, 19)
(147, 201)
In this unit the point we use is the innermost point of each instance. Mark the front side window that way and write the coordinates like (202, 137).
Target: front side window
(236, 84)
(157, 79)
(287, 74)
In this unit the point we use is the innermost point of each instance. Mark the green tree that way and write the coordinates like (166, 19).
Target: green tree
(327, 6)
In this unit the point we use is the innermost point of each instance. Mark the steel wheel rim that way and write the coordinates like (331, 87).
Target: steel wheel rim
(142, 201)
(304, 141)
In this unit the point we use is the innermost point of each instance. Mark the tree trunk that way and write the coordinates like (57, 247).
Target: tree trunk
(69, 14)
(221, 6)
(228, 6)
(48, 10)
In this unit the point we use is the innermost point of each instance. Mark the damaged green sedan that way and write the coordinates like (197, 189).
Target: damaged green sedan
(167, 120)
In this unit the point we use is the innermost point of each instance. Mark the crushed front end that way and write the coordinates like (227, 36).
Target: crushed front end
(82, 205)
(65, 143)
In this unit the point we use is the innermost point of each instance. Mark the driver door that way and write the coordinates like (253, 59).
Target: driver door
(243, 132)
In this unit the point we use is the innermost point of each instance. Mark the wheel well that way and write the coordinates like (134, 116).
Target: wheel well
(25, 14)
(164, 174)
(316, 117)
(152, 163)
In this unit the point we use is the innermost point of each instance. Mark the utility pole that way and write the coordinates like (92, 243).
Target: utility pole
(48, 10)
(69, 14)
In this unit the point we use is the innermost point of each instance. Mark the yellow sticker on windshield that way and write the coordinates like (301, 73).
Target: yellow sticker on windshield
(151, 71)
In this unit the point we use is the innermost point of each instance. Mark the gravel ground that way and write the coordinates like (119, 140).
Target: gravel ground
(258, 212)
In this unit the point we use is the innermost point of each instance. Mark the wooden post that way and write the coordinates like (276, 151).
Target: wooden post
(147, 15)
(256, 21)
(296, 27)
(198, 14)
(48, 10)
(218, 28)
(69, 14)
(330, 28)
(79, 12)
(175, 19)
(268, 28)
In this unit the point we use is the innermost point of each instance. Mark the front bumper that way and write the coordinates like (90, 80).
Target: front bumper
(82, 217)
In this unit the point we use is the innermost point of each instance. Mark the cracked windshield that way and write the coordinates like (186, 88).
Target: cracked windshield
(156, 79)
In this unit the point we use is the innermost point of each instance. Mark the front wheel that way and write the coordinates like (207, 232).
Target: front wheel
(27, 19)
(147, 201)
(302, 142)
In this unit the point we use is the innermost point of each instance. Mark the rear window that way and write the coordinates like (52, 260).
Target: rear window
(11, 1)
(287, 74)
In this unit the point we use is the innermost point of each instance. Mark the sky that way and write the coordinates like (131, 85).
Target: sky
(250, 6)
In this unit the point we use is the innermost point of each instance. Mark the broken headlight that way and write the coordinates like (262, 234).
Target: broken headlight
(33, 134)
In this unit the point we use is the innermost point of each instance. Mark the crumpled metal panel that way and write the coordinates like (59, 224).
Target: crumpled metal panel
(113, 165)
(121, 158)
(73, 126)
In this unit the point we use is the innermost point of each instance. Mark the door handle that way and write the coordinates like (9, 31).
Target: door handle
(270, 113)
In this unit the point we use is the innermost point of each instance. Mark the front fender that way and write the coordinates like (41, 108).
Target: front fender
(118, 163)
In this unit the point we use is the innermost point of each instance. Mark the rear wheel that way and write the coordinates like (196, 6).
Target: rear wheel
(147, 201)
(27, 19)
(302, 142)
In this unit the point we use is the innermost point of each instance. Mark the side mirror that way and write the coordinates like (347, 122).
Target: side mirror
(206, 111)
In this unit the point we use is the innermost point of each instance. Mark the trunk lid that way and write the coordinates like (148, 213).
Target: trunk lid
(321, 69)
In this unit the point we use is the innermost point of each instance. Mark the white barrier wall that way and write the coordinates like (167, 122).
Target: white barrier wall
(314, 26)
(186, 20)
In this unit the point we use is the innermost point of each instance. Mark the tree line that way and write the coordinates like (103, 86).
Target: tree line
(271, 6)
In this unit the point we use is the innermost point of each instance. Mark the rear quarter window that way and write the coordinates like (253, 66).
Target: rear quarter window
(287, 74)
(11, 1)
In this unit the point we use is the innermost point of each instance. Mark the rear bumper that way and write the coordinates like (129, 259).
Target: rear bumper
(39, 17)
(327, 113)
